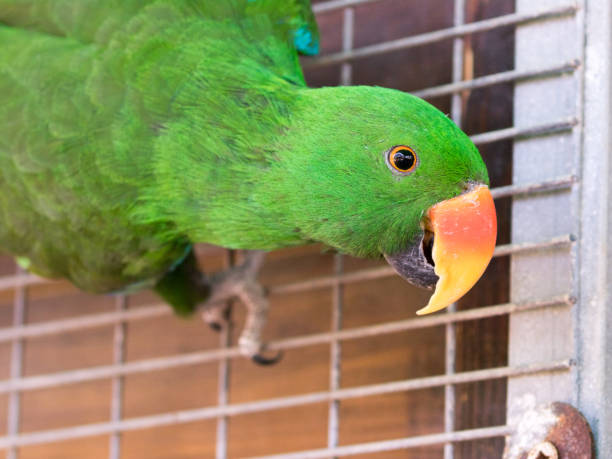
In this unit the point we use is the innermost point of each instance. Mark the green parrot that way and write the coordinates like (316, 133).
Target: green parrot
(132, 129)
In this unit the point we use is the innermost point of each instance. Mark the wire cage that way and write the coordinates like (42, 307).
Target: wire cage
(83, 376)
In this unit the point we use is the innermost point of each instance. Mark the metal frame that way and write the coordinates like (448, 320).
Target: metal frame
(582, 333)
(542, 312)
(546, 334)
(594, 273)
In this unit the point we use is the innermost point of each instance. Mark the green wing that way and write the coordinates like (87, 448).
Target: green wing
(95, 21)
(87, 21)
(58, 207)
(85, 89)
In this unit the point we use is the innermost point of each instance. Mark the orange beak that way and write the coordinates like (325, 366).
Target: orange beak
(465, 230)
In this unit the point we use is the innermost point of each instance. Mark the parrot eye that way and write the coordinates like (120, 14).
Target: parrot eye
(401, 159)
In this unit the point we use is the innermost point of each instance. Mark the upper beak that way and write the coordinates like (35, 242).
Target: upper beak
(463, 230)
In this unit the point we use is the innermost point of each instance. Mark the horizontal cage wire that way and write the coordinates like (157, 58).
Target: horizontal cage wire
(19, 383)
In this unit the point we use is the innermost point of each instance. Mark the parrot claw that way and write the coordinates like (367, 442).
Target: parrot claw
(262, 360)
(216, 315)
(250, 344)
(240, 282)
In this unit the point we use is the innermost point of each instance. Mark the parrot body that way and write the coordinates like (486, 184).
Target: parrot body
(130, 130)
(94, 108)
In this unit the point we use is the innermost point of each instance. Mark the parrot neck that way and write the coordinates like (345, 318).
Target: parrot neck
(219, 173)
(230, 131)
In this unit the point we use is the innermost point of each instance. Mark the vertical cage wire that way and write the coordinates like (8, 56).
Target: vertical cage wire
(348, 32)
(450, 328)
(335, 370)
(116, 412)
(449, 389)
(224, 369)
(17, 361)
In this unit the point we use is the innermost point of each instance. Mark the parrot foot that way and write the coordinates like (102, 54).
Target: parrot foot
(216, 315)
(241, 282)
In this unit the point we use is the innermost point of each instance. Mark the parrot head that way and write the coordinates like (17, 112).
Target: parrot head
(387, 174)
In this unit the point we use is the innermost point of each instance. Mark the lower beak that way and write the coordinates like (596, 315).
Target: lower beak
(463, 231)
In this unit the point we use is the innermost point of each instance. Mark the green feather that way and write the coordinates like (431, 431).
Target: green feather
(131, 129)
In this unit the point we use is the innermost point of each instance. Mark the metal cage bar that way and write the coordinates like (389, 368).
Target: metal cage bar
(335, 369)
(332, 5)
(510, 76)
(185, 416)
(162, 363)
(450, 328)
(400, 443)
(16, 371)
(567, 9)
(116, 412)
(223, 378)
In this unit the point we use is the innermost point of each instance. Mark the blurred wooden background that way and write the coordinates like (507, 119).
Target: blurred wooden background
(412, 354)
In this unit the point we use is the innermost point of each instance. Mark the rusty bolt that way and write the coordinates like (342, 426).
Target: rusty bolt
(544, 450)
(557, 431)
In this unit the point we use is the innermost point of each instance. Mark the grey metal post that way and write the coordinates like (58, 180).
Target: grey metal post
(594, 317)
(547, 334)
(584, 332)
